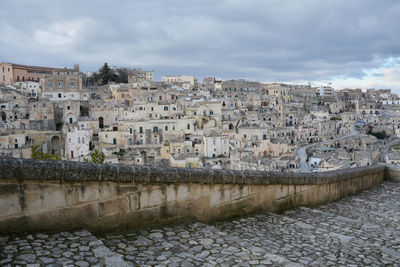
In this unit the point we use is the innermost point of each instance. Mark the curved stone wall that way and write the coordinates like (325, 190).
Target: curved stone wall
(393, 173)
(59, 195)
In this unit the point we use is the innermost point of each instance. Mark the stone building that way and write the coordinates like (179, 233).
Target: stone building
(11, 73)
(62, 84)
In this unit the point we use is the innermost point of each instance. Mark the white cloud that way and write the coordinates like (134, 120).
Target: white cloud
(60, 33)
(378, 78)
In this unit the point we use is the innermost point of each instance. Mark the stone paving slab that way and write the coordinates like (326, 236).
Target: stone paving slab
(79, 248)
(362, 230)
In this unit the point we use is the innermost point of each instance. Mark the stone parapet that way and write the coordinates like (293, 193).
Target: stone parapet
(70, 171)
(61, 195)
(392, 173)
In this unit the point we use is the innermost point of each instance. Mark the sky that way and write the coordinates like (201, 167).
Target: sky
(352, 44)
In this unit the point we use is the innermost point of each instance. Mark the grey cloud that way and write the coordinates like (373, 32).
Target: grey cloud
(259, 40)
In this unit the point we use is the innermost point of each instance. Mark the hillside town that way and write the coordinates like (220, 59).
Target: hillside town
(181, 121)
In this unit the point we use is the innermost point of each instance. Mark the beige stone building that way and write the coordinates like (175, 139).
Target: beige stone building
(138, 75)
(62, 84)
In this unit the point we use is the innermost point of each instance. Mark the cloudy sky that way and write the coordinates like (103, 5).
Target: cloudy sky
(353, 43)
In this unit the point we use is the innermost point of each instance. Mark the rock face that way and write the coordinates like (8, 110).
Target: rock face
(359, 230)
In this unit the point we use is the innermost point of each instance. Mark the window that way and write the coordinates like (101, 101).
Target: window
(140, 129)
(114, 141)
(166, 128)
(72, 84)
(213, 155)
(165, 108)
(79, 140)
(155, 129)
(70, 120)
(188, 126)
(68, 107)
(264, 137)
(44, 106)
(83, 140)
(214, 142)
(45, 117)
(211, 112)
(130, 131)
(60, 84)
(3, 69)
(59, 95)
(16, 145)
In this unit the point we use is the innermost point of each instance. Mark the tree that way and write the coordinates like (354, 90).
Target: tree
(120, 154)
(379, 135)
(91, 146)
(122, 75)
(96, 157)
(37, 153)
(105, 74)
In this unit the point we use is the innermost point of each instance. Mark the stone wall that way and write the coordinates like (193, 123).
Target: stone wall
(392, 173)
(55, 195)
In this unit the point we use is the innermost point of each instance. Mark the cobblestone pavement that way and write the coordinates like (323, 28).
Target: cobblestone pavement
(360, 230)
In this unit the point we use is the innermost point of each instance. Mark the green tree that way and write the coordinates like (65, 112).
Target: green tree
(105, 74)
(37, 153)
(122, 75)
(96, 157)
(379, 135)
(120, 154)
(91, 146)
